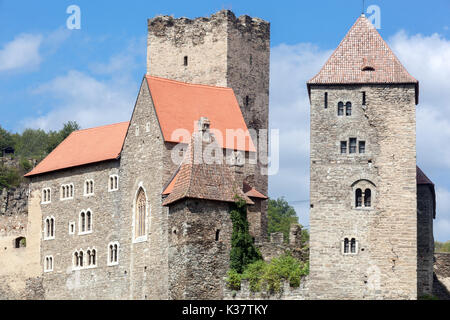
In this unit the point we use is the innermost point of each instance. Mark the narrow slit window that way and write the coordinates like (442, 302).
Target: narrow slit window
(185, 61)
(353, 245)
(326, 100)
(217, 235)
(363, 98)
(340, 109)
(358, 198)
(367, 198)
(247, 101)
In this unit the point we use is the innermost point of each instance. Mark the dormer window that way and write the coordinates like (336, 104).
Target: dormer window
(368, 68)
(367, 64)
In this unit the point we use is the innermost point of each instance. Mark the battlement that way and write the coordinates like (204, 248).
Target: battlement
(160, 25)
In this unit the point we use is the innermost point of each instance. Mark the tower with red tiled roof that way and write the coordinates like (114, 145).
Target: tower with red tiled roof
(363, 216)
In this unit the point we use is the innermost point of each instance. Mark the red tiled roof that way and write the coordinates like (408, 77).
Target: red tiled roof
(85, 147)
(252, 192)
(179, 105)
(202, 181)
(363, 47)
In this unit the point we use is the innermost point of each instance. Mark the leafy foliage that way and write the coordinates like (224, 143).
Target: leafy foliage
(269, 277)
(30, 144)
(281, 215)
(243, 251)
(442, 246)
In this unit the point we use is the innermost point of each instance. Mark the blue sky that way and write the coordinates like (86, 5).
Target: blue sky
(49, 74)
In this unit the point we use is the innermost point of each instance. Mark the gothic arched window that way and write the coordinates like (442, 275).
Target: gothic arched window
(141, 210)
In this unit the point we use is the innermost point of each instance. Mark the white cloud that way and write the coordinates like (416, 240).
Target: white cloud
(82, 98)
(88, 99)
(21, 53)
(425, 57)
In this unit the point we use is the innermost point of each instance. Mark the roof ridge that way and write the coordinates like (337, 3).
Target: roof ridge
(208, 86)
(103, 126)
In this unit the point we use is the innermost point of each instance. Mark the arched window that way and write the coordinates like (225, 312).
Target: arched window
(48, 264)
(353, 245)
(348, 109)
(76, 261)
(346, 245)
(49, 228)
(113, 183)
(340, 108)
(141, 210)
(89, 187)
(113, 253)
(46, 195)
(358, 198)
(80, 259)
(89, 221)
(367, 198)
(82, 222)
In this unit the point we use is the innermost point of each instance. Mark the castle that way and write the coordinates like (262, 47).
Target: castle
(140, 209)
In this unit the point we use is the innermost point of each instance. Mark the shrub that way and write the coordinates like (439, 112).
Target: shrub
(234, 279)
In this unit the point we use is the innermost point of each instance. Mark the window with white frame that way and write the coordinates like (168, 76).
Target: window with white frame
(48, 264)
(113, 182)
(67, 191)
(85, 222)
(113, 253)
(49, 228)
(77, 260)
(46, 195)
(350, 246)
(71, 227)
(91, 257)
(89, 187)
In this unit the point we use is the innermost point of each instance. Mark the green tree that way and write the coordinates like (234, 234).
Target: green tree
(442, 246)
(280, 217)
(6, 139)
(243, 251)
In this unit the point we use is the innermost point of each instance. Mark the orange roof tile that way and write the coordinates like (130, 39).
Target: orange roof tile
(363, 47)
(179, 105)
(252, 192)
(202, 181)
(85, 147)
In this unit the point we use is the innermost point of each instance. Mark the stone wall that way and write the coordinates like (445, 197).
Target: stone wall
(14, 201)
(222, 50)
(198, 261)
(385, 262)
(425, 239)
(287, 292)
(441, 285)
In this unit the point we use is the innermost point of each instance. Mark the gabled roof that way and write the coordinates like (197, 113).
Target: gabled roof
(252, 192)
(199, 180)
(422, 179)
(179, 105)
(85, 147)
(363, 48)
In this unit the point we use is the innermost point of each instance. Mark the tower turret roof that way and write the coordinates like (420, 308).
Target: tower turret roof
(363, 57)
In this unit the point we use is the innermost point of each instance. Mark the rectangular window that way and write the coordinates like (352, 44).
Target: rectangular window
(326, 100)
(362, 147)
(185, 61)
(352, 145)
(363, 98)
(343, 147)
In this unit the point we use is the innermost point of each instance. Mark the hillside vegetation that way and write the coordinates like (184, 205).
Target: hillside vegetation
(30, 144)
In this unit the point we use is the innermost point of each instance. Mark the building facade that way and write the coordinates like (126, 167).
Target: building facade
(105, 231)
(364, 196)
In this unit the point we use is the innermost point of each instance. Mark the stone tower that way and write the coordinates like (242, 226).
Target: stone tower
(363, 216)
(220, 50)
